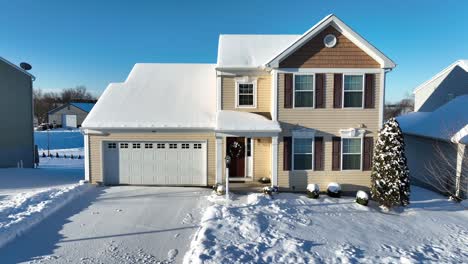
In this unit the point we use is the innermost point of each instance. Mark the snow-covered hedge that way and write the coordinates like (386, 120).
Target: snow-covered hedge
(334, 190)
(313, 191)
(362, 198)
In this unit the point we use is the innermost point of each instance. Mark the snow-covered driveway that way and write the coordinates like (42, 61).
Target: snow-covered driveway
(115, 225)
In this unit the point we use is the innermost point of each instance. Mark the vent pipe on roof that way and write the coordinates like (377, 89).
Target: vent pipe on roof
(25, 66)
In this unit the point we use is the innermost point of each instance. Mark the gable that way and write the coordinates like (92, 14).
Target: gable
(314, 54)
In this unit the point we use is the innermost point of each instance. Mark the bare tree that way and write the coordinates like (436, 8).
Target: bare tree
(404, 106)
(445, 171)
(46, 101)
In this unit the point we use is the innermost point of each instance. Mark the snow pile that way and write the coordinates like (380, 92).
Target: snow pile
(334, 187)
(313, 187)
(291, 228)
(20, 212)
(362, 195)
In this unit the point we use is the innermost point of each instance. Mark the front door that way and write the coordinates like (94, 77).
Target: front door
(235, 147)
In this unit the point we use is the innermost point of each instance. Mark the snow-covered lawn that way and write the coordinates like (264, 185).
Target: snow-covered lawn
(27, 196)
(291, 228)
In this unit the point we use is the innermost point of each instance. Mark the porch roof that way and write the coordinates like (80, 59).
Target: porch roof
(236, 121)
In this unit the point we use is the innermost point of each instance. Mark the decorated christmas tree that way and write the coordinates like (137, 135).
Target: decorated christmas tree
(390, 175)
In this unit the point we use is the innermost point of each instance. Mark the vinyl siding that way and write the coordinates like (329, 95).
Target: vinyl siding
(263, 94)
(314, 54)
(327, 122)
(95, 143)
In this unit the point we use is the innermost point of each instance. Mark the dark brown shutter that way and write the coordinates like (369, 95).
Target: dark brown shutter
(336, 153)
(318, 153)
(288, 90)
(320, 90)
(367, 155)
(369, 91)
(337, 90)
(287, 142)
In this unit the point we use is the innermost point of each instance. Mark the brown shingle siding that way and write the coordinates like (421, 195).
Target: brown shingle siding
(314, 54)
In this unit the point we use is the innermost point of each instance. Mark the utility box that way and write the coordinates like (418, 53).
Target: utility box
(69, 121)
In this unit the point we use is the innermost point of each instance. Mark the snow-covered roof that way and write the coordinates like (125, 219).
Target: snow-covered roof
(449, 122)
(353, 36)
(443, 74)
(159, 96)
(250, 51)
(236, 121)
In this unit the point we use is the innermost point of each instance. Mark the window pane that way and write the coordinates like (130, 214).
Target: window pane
(304, 99)
(245, 99)
(353, 99)
(351, 161)
(303, 161)
(246, 88)
(304, 82)
(353, 83)
(302, 145)
(351, 145)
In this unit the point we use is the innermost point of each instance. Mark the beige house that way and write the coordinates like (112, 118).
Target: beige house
(70, 115)
(297, 109)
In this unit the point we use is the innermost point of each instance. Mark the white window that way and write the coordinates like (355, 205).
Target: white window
(197, 146)
(351, 153)
(353, 91)
(136, 145)
(303, 153)
(148, 145)
(185, 146)
(111, 145)
(246, 94)
(123, 145)
(304, 87)
(161, 145)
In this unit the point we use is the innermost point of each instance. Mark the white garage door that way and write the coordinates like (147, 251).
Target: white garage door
(155, 163)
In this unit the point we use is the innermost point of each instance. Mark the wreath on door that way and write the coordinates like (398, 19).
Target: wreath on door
(235, 149)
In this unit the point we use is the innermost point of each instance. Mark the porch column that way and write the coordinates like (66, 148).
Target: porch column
(274, 161)
(219, 160)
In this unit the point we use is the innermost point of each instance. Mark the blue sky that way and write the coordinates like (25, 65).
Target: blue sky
(93, 43)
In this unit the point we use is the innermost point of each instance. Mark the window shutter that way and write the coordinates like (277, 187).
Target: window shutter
(369, 93)
(318, 153)
(288, 90)
(320, 90)
(367, 155)
(336, 154)
(287, 142)
(338, 90)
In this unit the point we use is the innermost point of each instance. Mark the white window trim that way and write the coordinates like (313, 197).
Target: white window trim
(254, 83)
(360, 157)
(294, 90)
(343, 90)
(294, 153)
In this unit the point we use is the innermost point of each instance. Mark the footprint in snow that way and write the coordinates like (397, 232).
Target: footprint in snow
(118, 210)
(177, 235)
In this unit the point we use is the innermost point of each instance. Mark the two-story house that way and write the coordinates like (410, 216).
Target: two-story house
(297, 109)
(16, 118)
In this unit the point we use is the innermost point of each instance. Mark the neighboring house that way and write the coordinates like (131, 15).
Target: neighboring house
(16, 120)
(436, 146)
(70, 115)
(298, 109)
(443, 87)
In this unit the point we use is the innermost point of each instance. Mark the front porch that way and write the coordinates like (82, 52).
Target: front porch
(251, 143)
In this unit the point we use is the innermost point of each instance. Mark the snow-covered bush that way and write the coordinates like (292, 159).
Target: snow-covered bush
(390, 184)
(265, 180)
(267, 190)
(334, 190)
(313, 191)
(220, 189)
(362, 198)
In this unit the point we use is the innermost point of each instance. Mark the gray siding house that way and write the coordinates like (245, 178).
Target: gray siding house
(16, 120)
(436, 147)
(78, 112)
(443, 87)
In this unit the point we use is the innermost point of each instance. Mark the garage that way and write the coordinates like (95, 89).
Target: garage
(155, 163)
